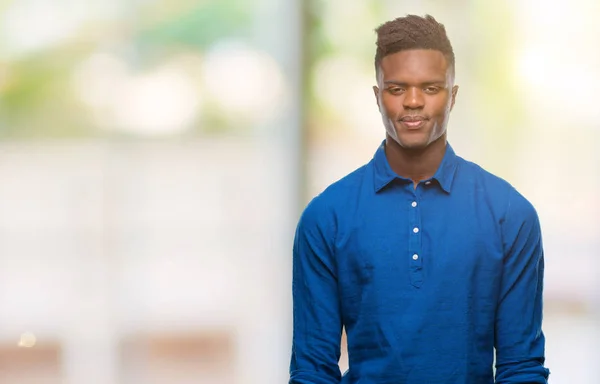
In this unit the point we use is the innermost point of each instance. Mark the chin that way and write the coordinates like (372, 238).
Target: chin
(414, 145)
(413, 142)
(416, 141)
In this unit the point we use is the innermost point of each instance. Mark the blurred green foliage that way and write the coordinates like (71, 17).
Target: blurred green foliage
(199, 26)
(36, 96)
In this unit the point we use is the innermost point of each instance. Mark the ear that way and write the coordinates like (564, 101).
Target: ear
(376, 93)
(454, 92)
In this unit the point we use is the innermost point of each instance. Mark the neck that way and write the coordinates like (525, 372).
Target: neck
(415, 164)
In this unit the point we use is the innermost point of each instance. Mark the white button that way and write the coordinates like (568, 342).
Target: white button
(415, 257)
(416, 230)
(414, 204)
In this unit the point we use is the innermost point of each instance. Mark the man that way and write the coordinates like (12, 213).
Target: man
(428, 261)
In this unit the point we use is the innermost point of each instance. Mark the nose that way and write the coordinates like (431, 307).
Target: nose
(413, 98)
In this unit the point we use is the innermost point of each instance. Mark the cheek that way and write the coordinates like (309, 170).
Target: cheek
(391, 107)
(441, 108)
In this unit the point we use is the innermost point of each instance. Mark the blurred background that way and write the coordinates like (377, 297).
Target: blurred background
(155, 156)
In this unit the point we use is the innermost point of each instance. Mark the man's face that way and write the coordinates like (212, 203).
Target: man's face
(415, 95)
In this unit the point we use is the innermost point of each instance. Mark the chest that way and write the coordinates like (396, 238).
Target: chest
(403, 242)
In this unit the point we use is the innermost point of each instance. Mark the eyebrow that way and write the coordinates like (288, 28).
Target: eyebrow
(425, 84)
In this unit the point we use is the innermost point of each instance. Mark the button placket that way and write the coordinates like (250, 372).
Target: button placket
(415, 259)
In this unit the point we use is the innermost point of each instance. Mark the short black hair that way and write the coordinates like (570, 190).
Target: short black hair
(412, 32)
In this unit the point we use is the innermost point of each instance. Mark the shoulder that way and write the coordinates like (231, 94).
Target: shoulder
(510, 201)
(482, 177)
(325, 207)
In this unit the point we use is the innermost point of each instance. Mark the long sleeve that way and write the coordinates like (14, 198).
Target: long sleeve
(316, 311)
(519, 339)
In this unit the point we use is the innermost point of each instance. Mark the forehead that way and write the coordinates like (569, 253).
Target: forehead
(414, 65)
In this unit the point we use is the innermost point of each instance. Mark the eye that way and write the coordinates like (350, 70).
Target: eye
(395, 90)
(432, 90)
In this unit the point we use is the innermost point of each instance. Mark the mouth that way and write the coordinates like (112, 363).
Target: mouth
(413, 122)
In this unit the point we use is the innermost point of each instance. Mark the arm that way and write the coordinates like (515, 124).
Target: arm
(317, 319)
(519, 339)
